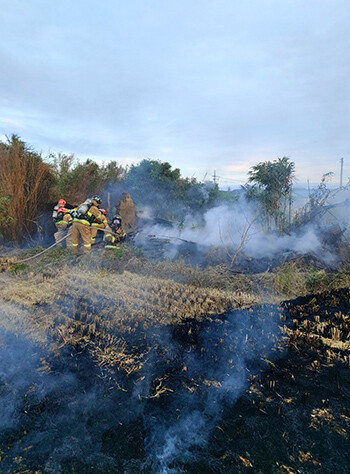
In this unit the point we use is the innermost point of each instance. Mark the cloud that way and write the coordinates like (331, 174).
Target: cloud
(183, 81)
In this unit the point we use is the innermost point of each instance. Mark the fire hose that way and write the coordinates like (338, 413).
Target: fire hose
(56, 243)
(45, 250)
(105, 231)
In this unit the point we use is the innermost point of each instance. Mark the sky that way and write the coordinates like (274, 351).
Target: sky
(207, 86)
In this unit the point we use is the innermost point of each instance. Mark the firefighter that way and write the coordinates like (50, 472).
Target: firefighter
(83, 217)
(98, 225)
(62, 219)
(60, 203)
(115, 233)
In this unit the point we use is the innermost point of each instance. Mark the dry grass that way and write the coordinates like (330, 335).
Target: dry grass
(117, 320)
(19, 322)
(218, 276)
(134, 295)
(5, 263)
(95, 310)
(326, 335)
(25, 179)
(296, 279)
(93, 307)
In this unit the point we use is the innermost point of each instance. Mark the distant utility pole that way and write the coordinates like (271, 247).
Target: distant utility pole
(341, 171)
(214, 176)
(290, 206)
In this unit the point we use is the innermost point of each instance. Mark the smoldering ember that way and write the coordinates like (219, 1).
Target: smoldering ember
(201, 331)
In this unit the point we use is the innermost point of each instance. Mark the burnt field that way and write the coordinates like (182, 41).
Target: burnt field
(119, 368)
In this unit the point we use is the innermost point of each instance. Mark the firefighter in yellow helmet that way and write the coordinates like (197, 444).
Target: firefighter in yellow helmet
(97, 224)
(83, 217)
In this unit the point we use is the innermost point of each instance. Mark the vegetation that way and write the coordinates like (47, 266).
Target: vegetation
(316, 206)
(158, 341)
(272, 184)
(76, 181)
(25, 183)
(156, 184)
(114, 362)
(29, 183)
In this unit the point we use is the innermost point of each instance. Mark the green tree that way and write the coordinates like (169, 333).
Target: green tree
(112, 173)
(155, 183)
(217, 197)
(62, 165)
(76, 181)
(272, 184)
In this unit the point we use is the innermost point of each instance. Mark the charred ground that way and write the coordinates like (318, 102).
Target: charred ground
(128, 365)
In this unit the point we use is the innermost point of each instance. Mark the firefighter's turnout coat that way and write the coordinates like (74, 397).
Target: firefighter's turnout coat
(95, 226)
(114, 234)
(81, 228)
(62, 218)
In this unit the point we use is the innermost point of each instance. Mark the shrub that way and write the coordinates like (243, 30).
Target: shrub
(154, 183)
(76, 181)
(25, 182)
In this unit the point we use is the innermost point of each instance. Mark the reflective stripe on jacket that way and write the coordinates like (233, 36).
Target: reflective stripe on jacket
(82, 221)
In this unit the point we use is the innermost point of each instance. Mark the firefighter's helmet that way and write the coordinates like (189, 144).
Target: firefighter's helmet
(61, 202)
(96, 198)
(117, 220)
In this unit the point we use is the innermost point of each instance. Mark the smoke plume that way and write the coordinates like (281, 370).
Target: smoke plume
(238, 229)
(63, 413)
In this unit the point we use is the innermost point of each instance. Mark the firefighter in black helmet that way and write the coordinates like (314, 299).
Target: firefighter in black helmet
(115, 233)
(84, 216)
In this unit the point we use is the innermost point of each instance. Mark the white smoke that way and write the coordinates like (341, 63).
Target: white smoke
(237, 227)
(75, 415)
(230, 351)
